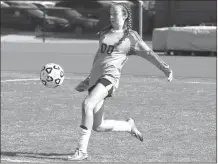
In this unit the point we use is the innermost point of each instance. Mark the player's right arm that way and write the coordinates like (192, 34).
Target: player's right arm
(83, 86)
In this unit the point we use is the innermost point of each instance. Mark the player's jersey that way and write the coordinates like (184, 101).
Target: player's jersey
(109, 60)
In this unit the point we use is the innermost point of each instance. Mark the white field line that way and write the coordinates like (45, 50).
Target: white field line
(80, 78)
(19, 161)
(17, 80)
(32, 79)
(7, 160)
(198, 82)
(32, 39)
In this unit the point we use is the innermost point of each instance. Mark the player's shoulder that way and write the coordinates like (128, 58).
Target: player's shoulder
(134, 35)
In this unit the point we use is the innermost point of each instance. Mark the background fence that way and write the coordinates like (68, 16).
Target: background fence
(182, 13)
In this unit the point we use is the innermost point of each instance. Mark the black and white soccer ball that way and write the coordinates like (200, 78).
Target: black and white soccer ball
(52, 75)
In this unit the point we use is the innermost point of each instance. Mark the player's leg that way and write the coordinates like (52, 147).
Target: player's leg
(98, 115)
(104, 125)
(98, 93)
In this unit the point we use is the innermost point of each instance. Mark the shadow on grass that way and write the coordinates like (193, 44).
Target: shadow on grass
(58, 35)
(5, 32)
(55, 156)
(49, 35)
(55, 35)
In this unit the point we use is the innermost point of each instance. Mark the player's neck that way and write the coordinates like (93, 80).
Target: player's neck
(117, 30)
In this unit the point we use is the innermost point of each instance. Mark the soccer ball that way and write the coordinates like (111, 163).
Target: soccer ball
(52, 75)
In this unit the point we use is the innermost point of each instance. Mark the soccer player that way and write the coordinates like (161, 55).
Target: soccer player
(116, 43)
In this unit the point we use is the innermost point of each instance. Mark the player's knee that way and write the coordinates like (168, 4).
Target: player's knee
(98, 107)
(97, 128)
(88, 105)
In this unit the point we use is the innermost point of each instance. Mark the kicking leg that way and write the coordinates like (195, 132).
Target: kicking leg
(104, 125)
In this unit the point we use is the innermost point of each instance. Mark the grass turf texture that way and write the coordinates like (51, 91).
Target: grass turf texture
(178, 120)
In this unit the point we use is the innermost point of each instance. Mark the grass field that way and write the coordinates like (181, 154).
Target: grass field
(41, 125)
(178, 120)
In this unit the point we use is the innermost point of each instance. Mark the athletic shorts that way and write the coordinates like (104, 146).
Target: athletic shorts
(106, 83)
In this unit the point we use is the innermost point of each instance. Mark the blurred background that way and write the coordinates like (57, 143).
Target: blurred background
(84, 18)
(87, 17)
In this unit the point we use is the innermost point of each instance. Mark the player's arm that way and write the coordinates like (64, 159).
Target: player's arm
(140, 48)
(83, 86)
(96, 56)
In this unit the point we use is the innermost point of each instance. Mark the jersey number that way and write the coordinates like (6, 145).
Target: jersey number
(107, 48)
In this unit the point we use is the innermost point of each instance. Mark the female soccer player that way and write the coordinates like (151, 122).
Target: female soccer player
(117, 42)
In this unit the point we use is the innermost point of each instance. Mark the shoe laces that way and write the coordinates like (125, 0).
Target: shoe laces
(76, 152)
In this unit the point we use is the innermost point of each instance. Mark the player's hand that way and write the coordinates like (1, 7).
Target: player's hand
(82, 87)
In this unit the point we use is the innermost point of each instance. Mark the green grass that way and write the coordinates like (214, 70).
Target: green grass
(178, 120)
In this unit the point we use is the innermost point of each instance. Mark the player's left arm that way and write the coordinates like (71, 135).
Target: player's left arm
(141, 49)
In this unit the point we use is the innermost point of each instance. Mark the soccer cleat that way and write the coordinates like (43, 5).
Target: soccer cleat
(78, 156)
(134, 131)
(170, 76)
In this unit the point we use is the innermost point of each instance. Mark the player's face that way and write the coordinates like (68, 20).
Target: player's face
(117, 17)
